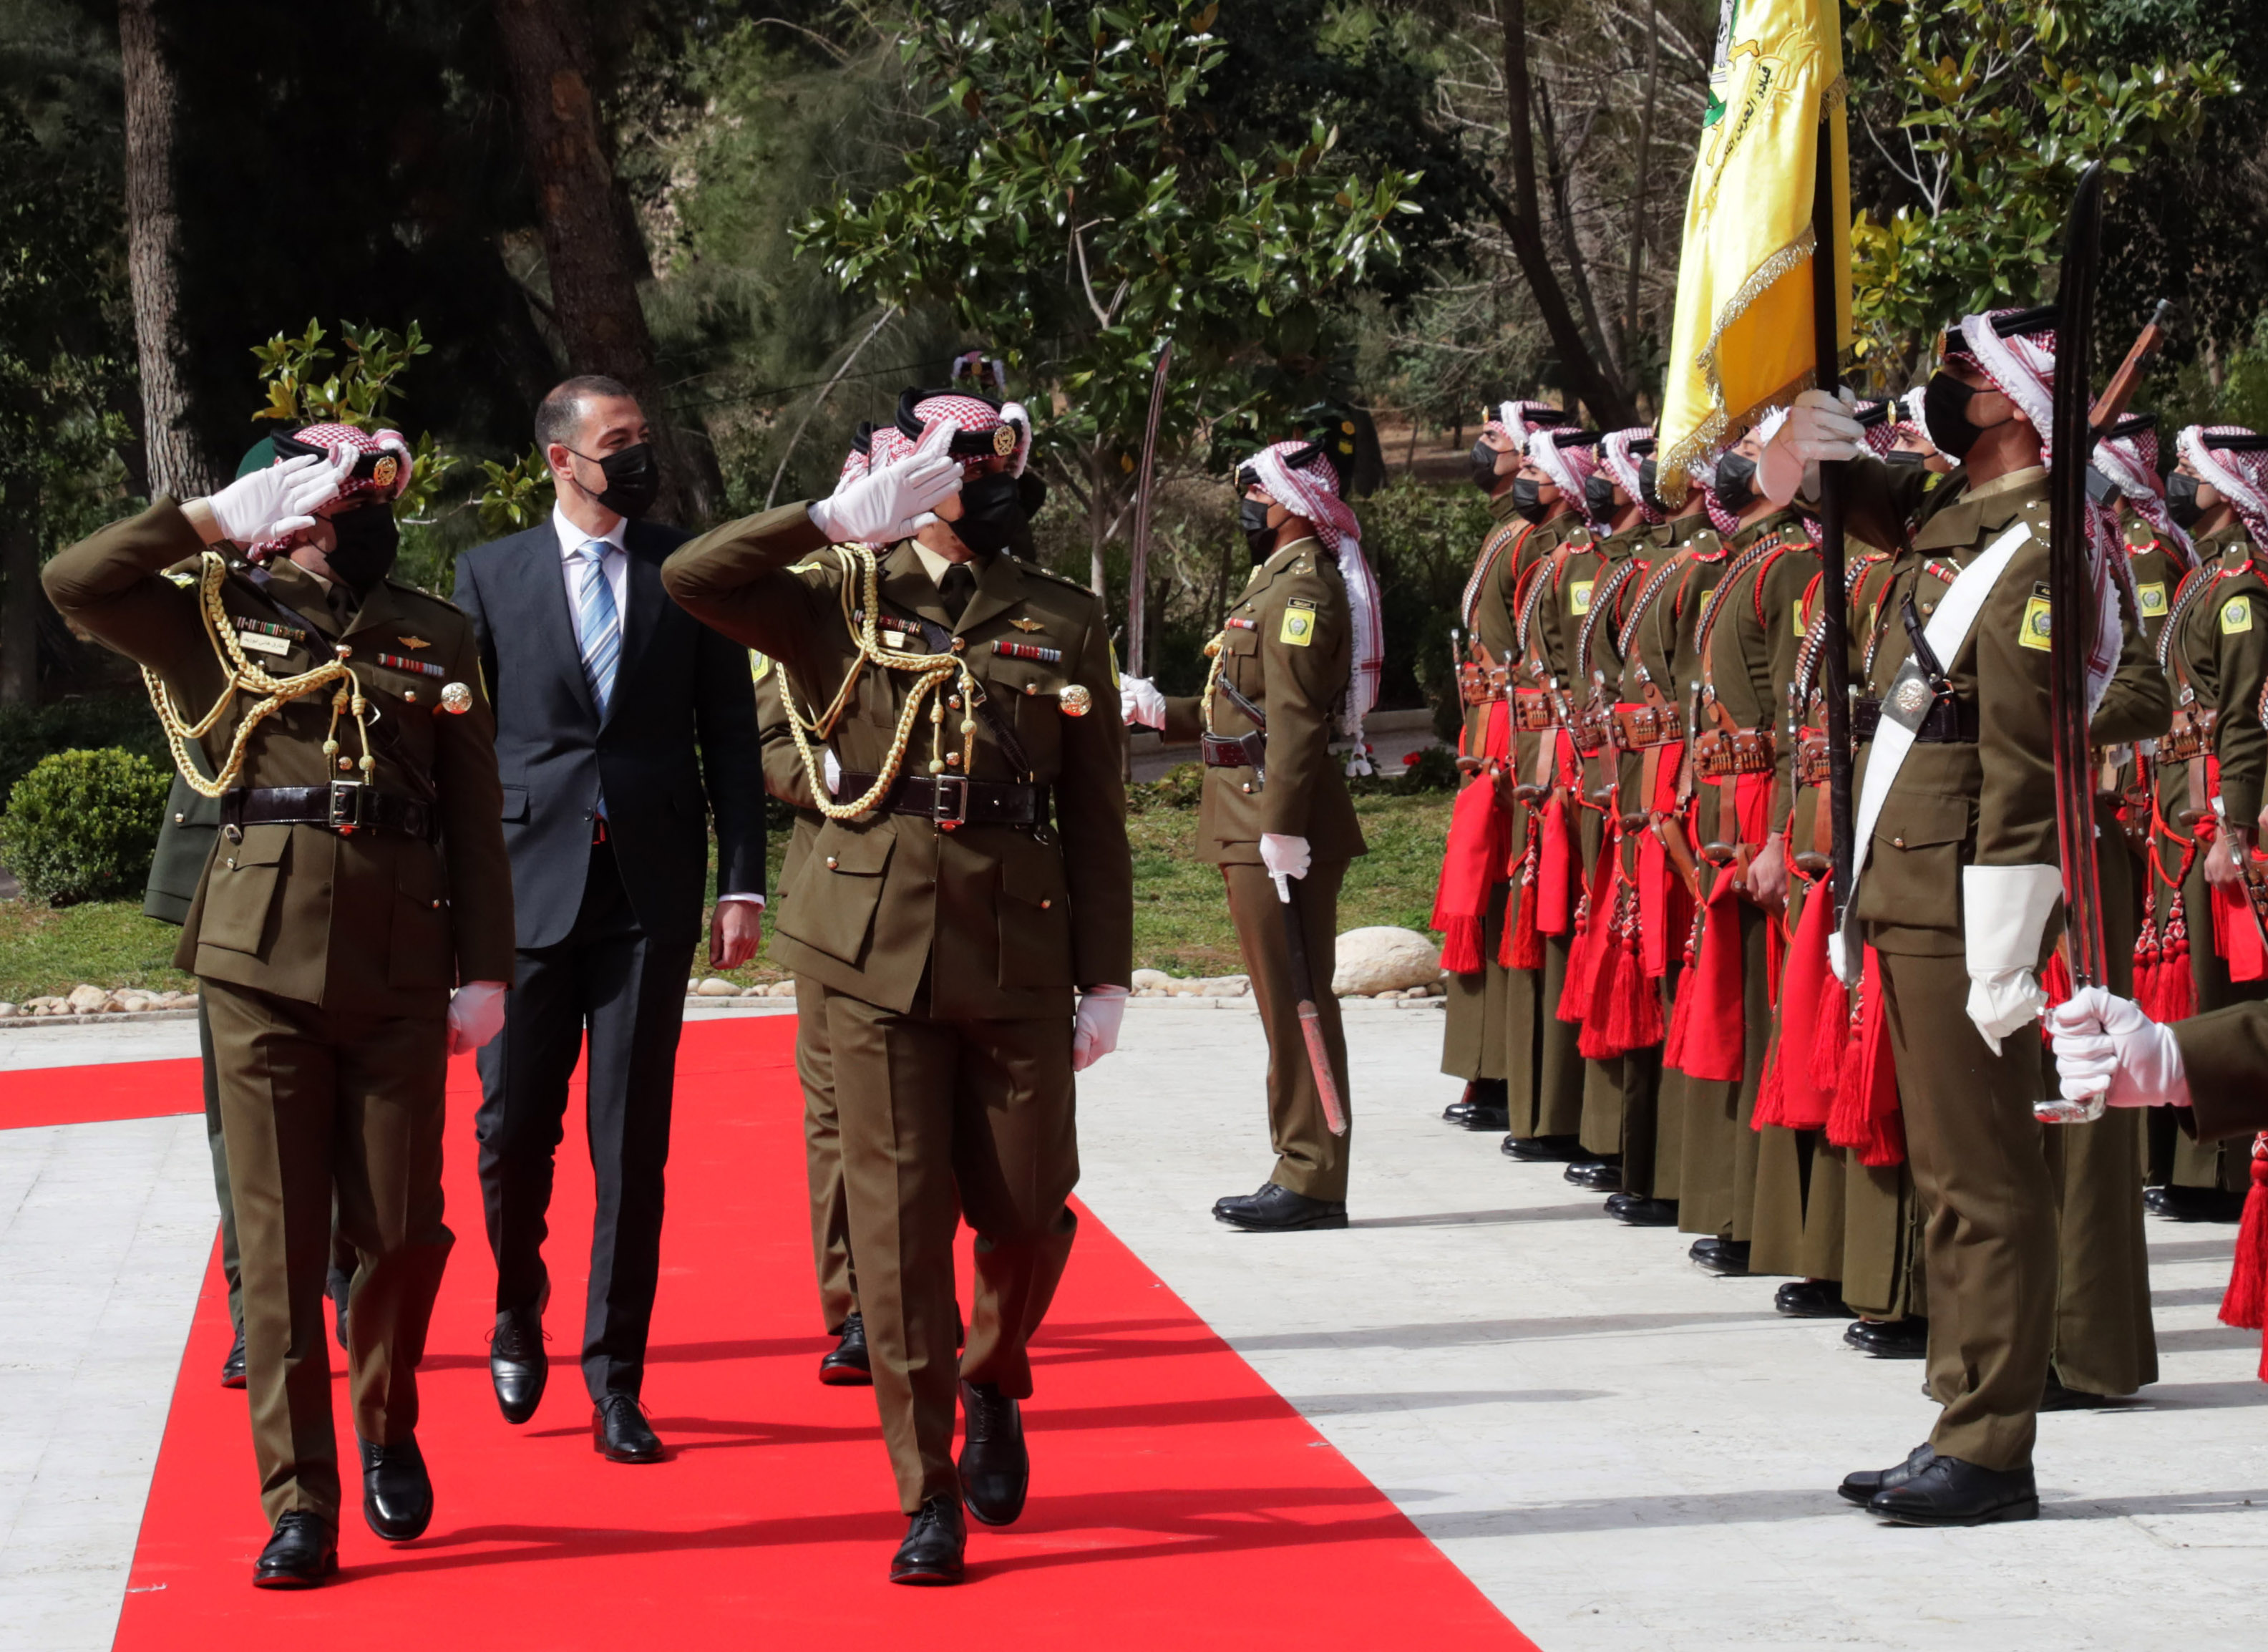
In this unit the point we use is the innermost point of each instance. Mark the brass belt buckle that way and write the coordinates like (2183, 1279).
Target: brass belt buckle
(957, 814)
(344, 812)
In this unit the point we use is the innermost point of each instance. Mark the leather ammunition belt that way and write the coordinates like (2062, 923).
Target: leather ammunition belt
(2191, 736)
(1638, 727)
(1719, 754)
(1531, 711)
(951, 800)
(1482, 685)
(344, 807)
(1950, 722)
(1589, 731)
(1811, 756)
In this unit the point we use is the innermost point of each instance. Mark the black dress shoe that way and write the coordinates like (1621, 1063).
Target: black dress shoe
(2193, 1204)
(1860, 1487)
(231, 1368)
(1542, 1149)
(932, 1549)
(1601, 1175)
(340, 1286)
(1951, 1492)
(397, 1494)
(846, 1365)
(2057, 1397)
(1812, 1299)
(1276, 1209)
(1637, 1211)
(517, 1366)
(995, 1470)
(618, 1431)
(301, 1553)
(1485, 1106)
(1727, 1258)
(1229, 1202)
(1906, 1339)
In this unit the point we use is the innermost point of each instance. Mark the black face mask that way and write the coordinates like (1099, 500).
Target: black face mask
(1033, 491)
(1482, 459)
(1259, 537)
(1945, 409)
(2100, 489)
(368, 543)
(991, 512)
(1599, 496)
(1736, 483)
(1647, 478)
(1905, 458)
(1527, 498)
(2181, 500)
(633, 481)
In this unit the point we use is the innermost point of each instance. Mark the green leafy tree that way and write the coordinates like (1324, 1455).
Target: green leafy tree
(1971, 120)
(1075, 211)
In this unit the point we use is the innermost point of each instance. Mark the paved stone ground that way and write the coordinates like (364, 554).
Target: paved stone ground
(1623, 1452)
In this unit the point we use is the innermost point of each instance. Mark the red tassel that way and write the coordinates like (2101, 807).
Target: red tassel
(2176, 985)
(1866, 1117)
(1832, 1033)
(1555, 873)
(1771, 1100)
(1685, 991)
(1523, 943)
(1582, 970)
(1460, 945)
(2247, 1297)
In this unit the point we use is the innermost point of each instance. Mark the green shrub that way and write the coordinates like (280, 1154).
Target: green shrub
(29, 732)
(83, 826)
(1180, 786)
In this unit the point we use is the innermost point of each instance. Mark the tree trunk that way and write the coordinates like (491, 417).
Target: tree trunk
(179, 463)
(590, 251)
(1610, 405)
(20, 606)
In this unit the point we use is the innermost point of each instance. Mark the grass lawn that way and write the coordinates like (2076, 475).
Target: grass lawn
(1181, 916)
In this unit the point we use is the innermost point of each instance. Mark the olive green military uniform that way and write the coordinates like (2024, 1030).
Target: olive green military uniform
(1287, 646)
(2225, 1059)
(1977, 1153)
(945, 960)
(2215, 647)
(326, 960)
(786, 779)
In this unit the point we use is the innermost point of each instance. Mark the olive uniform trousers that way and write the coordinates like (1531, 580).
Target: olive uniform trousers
(1309, 1160)
(314, 1101)
(822, 1144)
(943, 1120)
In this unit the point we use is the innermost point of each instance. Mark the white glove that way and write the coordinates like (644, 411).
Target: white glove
(1818, 426)
(475, 1015)
(1140, 703)
(1286, 857)
(896, 501)
(282, 499)
(2106, 1047)
(2005, 913)
(1846, 955)
(1095, 1031)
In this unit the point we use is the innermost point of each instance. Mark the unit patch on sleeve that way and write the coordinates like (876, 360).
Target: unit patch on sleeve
(1299, 628)
(2152, 599)
(2235, 616)
(2035, 634)
(1578, 597)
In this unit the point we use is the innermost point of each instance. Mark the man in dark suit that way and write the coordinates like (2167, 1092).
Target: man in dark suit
(622, 724)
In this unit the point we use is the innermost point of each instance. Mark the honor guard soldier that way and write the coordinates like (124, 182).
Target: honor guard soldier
(1296, 658)
(358, 876)
(1956, 859)
(972, 879)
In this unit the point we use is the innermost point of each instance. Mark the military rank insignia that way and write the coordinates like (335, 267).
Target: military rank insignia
(1578, 597)
(1028, 651)
(403, 662)
(2152, 598)
(2235, 616)
(266, 637)
(1023, 624)
(414, 644)
(1298, 629)
(1237, 622)
(760, 665)
(2035, 631)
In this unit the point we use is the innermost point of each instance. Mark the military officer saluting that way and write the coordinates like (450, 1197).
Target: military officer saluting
(1297, 659)
(971, 882)
(359, 875)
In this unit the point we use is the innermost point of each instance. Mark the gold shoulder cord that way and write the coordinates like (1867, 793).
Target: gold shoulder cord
(1216, 650)
(862, 578)
(247, 675)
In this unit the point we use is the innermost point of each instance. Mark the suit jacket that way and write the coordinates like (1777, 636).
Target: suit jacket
(1003, 920)
(379, 921)
(679, 740)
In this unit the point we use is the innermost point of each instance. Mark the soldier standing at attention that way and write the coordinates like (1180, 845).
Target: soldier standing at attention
(972, 877)
(360, 875)
(1955, 837)
(1298, 654)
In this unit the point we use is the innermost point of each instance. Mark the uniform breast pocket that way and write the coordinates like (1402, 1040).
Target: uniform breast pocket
(1035, 914)
(421, 954)
(1920, 844)
(838, 891)
(241, 893)
(1028, 698)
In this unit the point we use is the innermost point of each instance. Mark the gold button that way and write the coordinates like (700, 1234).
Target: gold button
(178, 819)
(1246, 788)
(409, 695)
(231, 863)
(961, 644)
(341, 651)
(436, 906)
(832, 863)
(1897, 843)
(1031, 688)
(953, 759)
(1045, 904)
(953, 702)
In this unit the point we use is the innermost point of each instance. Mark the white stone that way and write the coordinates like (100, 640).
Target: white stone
(84, 998)
(1384, 959)
(1151, 978)
(1225, 986)
(7, 1009)
(717, 986)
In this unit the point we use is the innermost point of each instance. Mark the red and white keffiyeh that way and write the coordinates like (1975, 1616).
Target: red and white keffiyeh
(972, 415)
(2130, 461)
(2239, 475)
(1517, 421)
(1883, 435)
(380, 475)
(1704, 473)
(1622, 465)
(2022, 367)
(1312, 490)
(1568, 462)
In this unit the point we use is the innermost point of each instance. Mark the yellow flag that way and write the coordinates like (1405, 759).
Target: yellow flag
(1743, 341)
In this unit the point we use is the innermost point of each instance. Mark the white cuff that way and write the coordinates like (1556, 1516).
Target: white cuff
(2005, 912)
(753, 900)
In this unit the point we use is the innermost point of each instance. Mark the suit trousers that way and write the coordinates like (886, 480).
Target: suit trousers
(1980, 1168)
(627, 990)
(314, 1100)
(1309, 1159)
(822, 1151)
(944, 1120)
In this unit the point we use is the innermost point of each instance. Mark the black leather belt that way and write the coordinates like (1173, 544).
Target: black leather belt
(344, 807)
(1949, 722)
(951, 800)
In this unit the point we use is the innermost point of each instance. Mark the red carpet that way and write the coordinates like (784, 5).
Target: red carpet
(1177, 1501)
(93, 1095)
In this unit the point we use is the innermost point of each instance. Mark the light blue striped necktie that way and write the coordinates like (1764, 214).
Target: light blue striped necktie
(599, 624)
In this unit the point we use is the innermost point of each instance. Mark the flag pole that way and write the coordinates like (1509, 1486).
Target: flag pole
(1827, 339)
